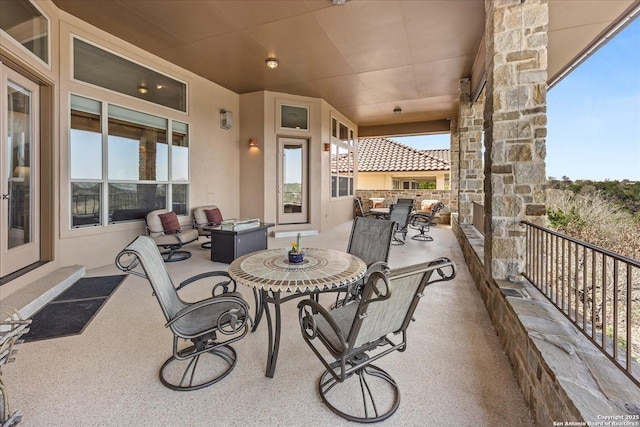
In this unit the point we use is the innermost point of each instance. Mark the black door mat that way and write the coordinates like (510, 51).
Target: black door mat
(72, 311)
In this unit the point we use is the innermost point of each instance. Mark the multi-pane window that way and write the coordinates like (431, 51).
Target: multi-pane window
(342, 160)
(122, 168)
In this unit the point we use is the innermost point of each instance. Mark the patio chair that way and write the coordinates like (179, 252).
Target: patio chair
(210, 324)
(409, 202)
(358, 211)
(165, 230)
(349, 338)
(400, 214)
(206, 216)
(370, 240)
(423, 222)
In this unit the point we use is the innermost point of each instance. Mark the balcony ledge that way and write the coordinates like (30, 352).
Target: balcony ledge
(563, 376)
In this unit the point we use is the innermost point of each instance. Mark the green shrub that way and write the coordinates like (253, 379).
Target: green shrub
(564, 221)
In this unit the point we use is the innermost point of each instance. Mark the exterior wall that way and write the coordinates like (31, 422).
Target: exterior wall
(259, 166)
(455, 164)
(252, 164)
(470, 165)
(384, 180)
(515, 129)
(214, 152)
(419, 195)
(332, 211)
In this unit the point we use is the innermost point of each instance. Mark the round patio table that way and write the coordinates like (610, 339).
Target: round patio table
(271, 275)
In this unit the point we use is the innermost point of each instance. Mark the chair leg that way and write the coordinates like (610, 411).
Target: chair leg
(173, 254)
(379, 395)
(397, 241)
(422, 236)
(181, 373)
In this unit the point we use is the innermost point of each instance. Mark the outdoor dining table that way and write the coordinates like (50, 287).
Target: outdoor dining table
(275, 280)
(380, 212)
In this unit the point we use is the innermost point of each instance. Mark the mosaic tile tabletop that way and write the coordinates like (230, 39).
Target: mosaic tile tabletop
(321, 269)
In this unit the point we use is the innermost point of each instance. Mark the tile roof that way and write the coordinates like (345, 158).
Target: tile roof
(382, 155)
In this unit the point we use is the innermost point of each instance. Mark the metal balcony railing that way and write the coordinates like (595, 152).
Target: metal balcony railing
(596, 289)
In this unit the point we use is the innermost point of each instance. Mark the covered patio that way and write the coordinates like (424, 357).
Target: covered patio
(479, 71)
(453, 373)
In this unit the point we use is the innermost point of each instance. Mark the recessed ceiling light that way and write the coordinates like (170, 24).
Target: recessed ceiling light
(272, 62)
(338, 2)
(159, 86)
(142, 89)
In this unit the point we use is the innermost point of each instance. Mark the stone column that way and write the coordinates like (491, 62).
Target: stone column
(515, 129)
(471, 175)
(455, 165)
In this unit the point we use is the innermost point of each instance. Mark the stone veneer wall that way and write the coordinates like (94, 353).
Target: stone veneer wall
(419, 195)
(471, 174)
(564, 378)
(454, 156)
(515, 129)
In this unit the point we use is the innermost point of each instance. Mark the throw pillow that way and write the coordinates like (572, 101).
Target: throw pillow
(170, 222)
(214, 216)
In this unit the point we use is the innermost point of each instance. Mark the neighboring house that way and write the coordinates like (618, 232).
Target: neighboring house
(384, 164)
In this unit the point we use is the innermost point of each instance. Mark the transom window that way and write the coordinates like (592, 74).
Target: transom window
(98, 67)
(342, 160)
(127, 166)
(24, 23)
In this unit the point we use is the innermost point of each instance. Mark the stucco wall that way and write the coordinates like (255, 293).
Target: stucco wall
(259, 166)
(384, 180)
(214, 152)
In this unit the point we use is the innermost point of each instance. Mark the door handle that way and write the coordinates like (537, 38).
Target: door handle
(5, 197)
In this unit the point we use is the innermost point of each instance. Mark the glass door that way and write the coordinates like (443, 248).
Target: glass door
(19, 137)
(292, 181)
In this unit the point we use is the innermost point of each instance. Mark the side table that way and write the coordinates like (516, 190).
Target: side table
(227, 245)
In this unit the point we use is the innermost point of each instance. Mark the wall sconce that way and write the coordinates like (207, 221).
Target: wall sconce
(327, 147)
(226, 119)
(253, 142)
(272, 62)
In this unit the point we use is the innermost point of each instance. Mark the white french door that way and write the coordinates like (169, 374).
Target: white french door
(292, 181)
(19, 171)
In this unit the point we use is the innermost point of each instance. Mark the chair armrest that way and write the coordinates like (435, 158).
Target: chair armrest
(420, 219)
(233, 317)
(222, 285)
(376, 266)
(306, 310)
(445, 268)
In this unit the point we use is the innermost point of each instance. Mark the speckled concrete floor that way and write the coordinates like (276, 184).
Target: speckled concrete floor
(453, 373)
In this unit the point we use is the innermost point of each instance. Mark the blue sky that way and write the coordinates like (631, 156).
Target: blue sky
(593, 129)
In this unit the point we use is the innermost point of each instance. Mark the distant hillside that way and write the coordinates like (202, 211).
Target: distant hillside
(624, 193)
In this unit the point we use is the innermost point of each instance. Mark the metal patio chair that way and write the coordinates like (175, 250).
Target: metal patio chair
(400, 214)
(210, 324)
(358, 210)
(423, 222)
(348, 339)
(370, 240)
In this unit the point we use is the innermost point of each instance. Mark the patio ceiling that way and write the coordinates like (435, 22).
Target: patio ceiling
(364, 57)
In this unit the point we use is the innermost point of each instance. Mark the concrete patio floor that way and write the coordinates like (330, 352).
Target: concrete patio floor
(453, 373)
